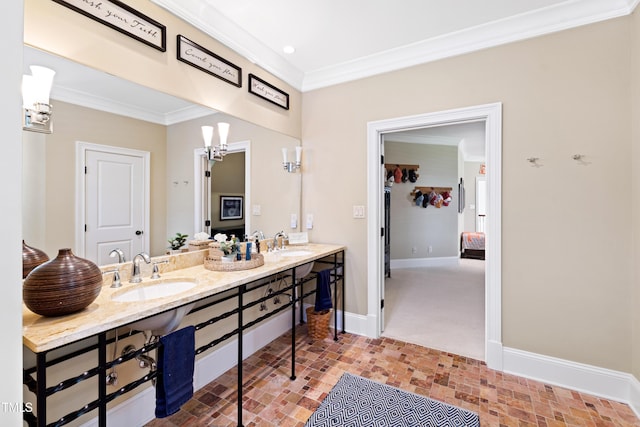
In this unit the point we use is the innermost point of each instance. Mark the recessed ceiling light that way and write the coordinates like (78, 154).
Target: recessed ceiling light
(288, 49)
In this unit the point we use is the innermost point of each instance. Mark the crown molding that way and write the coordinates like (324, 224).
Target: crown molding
(87, 100)
(566, 15)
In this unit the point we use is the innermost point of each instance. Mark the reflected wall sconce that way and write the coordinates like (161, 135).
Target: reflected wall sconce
(290, 166)
(217, 152)
(36, 89)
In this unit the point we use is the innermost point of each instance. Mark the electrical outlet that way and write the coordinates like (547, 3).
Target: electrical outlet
(256, 210)
(309, 221)
(430, 248)
(294, 221)
(414, 250)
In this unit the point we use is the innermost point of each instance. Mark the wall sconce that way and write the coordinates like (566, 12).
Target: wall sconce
(290, 166)
(217, 152)
(35, 99)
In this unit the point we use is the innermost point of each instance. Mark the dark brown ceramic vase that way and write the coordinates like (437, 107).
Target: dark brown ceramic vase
(31, 258)
(64, 285)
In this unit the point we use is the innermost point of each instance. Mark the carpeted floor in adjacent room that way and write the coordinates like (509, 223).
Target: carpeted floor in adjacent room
(272, 399)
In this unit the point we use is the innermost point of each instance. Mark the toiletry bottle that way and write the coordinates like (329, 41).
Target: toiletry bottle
(248, 252)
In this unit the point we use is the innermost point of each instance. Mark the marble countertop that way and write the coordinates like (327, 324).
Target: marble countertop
(46, 333)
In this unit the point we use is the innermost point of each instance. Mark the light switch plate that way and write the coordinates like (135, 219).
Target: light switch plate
(256, 209)
(309, 221)
(294, 221)
(358, 211)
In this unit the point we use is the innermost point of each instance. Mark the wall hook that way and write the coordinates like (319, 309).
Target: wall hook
(580, 159)
(534, 161)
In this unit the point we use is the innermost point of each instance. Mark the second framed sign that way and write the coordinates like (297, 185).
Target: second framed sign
(199, 57)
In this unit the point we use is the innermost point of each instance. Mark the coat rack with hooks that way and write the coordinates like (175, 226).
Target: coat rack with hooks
(391, 167)
(427, 190)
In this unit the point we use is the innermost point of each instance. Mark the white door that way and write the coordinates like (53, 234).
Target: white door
(115, 205)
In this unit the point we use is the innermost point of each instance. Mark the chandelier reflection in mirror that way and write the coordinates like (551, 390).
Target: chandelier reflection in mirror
(217, 152)
(36, 88)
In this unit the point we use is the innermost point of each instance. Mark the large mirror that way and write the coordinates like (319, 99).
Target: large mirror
(98, 118)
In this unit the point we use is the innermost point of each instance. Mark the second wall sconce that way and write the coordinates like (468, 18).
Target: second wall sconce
(290, 166)
(219, 151)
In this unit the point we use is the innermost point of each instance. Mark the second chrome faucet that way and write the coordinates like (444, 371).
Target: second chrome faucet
(135, 273)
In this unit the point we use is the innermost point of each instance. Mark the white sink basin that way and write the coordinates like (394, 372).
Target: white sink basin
(157, 290)
(299, 252)
(303, 270)
(163, 323)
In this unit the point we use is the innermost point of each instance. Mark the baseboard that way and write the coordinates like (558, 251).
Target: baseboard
(602, 382)
(139, 409)
(424, 262)
(634, 398)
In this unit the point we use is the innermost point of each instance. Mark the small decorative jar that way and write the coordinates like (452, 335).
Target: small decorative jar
(64, 285)
(31, 258)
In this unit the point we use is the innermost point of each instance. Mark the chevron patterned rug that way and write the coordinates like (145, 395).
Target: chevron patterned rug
(358, 402)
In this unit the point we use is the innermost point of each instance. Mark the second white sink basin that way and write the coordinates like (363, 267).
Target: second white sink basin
(163, 323)
(298, 252)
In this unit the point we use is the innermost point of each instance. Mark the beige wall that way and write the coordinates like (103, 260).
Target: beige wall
(635, 180)
(58, 172)
(566, 265)
(57, 29)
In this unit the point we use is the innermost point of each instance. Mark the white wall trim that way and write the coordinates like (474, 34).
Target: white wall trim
(424, 262)
(614, 385)
(491, 114)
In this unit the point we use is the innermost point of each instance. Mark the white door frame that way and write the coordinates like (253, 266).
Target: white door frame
(198, 154)
(80, 221)
(491, 114)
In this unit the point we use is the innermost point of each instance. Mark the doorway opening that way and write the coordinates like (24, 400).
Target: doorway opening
(433, 294)
(491, 114)
(202, 188)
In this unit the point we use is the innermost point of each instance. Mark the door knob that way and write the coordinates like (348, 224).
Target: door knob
(139, 232)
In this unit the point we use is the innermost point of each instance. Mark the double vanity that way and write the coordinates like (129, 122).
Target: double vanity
(158, 306)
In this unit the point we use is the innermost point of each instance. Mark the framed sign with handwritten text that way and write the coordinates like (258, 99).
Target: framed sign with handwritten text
(259, 87)
(122, 18)
(197, 56)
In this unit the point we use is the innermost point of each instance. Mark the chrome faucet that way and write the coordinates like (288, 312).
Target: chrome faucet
(259, 234)
(275, 240)
(118, 252)
(135, 274)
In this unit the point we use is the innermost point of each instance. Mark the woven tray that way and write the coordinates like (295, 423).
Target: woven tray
(216, 264)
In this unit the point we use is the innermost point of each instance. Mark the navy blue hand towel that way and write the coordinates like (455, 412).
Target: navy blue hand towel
(323, 291)
(176, 358)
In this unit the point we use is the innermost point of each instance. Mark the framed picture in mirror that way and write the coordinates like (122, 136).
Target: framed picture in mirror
(230, 207)
(122, 18)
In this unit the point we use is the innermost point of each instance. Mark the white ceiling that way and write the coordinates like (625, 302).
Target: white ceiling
(342, 40)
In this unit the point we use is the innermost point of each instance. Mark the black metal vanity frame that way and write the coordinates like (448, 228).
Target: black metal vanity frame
(38, 386)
